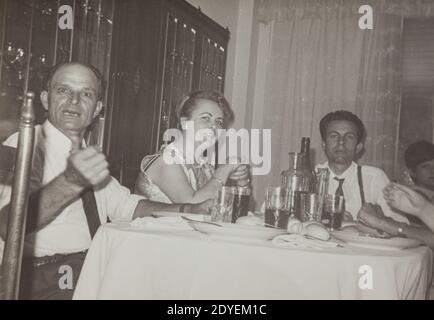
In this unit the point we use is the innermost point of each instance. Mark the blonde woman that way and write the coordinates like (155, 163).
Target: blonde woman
(184, 181)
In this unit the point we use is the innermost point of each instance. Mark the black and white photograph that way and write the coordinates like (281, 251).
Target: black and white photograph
(217, 155)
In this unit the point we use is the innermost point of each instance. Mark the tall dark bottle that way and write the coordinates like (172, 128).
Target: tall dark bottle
(305, 151)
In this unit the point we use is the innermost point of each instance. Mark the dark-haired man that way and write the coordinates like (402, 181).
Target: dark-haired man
(72, 191)
(342, 134)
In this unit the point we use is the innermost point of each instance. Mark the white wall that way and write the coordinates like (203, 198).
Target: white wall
(237, 15)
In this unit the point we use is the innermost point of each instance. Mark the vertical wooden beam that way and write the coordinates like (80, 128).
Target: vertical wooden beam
(11, 268)
(29, 51)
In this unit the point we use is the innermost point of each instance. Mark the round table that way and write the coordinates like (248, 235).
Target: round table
(126, 262)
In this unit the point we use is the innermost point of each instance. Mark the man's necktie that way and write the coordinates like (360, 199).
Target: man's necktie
(88, 198)
(339, 190)
(91, 210)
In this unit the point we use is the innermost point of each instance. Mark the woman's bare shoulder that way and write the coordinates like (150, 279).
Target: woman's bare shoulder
(159, 168)
(148, 162)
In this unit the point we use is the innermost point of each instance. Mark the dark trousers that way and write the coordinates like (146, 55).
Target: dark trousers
(50, 277)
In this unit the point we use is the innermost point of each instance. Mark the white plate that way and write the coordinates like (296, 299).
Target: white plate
(376, 243)
(193, 216)
(231, 230)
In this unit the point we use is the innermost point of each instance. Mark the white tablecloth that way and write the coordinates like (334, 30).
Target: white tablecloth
(130, 263)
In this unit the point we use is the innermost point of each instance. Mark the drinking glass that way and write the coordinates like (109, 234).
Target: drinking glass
(276, 207)
(309, 204)
(241, 202)
(333, 213)
(221, 210)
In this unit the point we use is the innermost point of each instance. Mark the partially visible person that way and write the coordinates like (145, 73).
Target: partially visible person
(191, 181)
(415, 203)
(409, 201)
(419, 159)
(343, 134)
(71, 190)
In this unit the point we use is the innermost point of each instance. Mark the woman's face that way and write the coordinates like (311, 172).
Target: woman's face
(207, 115)
(424, 175)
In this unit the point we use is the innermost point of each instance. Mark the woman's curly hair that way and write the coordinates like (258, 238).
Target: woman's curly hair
(186, 106)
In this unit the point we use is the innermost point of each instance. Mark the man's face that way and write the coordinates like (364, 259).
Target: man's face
(340, 145)
(72, 101)
(423, 175)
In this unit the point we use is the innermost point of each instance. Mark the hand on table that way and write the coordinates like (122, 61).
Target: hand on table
(201, 208)
(371, 215)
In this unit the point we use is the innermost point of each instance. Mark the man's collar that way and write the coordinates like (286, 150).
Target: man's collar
(56, 138)
(347, 174)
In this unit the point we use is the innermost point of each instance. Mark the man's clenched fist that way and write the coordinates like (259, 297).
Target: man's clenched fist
(87, 167)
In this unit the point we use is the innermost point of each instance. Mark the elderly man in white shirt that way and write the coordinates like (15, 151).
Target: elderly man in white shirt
(69, 232)
(342, 135)
(72, 192)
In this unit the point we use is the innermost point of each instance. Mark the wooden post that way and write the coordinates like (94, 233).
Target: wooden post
(11, 268)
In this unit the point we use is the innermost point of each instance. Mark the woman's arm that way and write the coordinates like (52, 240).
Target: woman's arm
(172, 180)
(427, 216)
(411, 202)
(420, 233)
(146, 207)
(374, 217)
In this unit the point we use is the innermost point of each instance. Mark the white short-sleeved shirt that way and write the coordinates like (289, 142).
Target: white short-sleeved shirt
(374, 181)
(69, 232)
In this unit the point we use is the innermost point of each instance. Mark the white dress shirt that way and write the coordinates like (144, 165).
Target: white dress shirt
(374, 181)
(69, 232)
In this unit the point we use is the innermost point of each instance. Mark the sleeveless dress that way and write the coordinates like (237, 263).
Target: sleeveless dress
(197, 175)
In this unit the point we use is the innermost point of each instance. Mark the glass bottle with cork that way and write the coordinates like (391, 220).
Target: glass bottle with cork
(307, 165)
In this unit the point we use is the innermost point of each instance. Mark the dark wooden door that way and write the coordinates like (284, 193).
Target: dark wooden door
(131, 110)
(179, 49)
